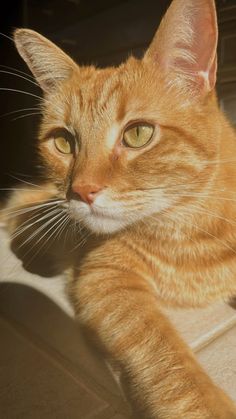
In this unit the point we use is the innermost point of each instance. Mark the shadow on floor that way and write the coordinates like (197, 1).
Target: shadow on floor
(47, 368)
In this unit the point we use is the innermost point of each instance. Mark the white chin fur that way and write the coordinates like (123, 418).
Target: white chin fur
(102, 225)
(105, 218)
(97, 223)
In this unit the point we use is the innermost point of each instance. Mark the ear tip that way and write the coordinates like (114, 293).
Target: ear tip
(19, 34)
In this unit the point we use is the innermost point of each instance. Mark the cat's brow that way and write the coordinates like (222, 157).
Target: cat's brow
(109, 89)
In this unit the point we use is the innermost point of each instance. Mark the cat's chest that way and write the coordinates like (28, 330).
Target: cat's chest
(184, 273)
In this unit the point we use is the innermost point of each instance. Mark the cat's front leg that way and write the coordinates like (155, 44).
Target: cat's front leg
(162, 378)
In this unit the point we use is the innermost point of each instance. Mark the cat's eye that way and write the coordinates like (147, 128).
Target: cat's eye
(63, 145)
(138, 135)
(64, 142)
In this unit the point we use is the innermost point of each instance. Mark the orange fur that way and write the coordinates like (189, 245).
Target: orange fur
(162, 229)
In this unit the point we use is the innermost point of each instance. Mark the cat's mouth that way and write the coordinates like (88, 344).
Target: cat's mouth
(98, 220)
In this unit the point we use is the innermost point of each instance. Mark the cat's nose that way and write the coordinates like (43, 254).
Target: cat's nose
(86, 192)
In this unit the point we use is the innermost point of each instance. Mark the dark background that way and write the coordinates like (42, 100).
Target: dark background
(101, 32)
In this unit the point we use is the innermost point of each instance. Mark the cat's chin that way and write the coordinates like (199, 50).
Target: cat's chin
(97, 223)
(103, 225)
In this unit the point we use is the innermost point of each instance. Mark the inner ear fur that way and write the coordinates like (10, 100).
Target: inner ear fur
(185, 44)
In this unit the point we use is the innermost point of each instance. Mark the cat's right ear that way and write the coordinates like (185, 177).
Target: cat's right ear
(184, 47)
(48, 63)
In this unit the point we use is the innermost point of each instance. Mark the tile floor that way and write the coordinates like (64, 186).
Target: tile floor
(47, 370)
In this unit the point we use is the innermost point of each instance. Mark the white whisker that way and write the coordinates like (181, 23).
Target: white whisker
(41, 228)
(27, 182)
(26, 225)
(81, 242)
(212, 214)
(48, 238)
(200, 195)
(7, 37)
(18, 189)
(18, 71)
(185, 211)
(19, 110)
(25, 210)
(63, 227)
(20, 76)
(26, 115)
(20, 91)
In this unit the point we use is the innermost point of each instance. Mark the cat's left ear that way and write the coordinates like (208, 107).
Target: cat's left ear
(48, 63)
(185, 44)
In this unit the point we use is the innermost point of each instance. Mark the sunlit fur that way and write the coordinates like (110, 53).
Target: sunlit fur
(162, 229)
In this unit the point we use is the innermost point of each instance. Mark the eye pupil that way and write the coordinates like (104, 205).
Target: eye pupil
(138, 136)
(63, 145)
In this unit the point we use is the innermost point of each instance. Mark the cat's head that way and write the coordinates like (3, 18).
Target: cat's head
(126, 143)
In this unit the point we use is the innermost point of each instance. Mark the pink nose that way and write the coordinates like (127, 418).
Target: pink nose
(86, 192)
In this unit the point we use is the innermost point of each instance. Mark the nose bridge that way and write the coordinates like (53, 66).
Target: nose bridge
(91, 168)
(93, 161)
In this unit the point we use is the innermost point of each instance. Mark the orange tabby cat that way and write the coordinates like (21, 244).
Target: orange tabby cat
(143, 158)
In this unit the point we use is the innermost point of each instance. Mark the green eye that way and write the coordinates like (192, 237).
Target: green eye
(63, 145)
(138, 135)
(64, 142)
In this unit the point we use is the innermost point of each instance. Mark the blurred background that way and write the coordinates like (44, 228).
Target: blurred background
(101, 32)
